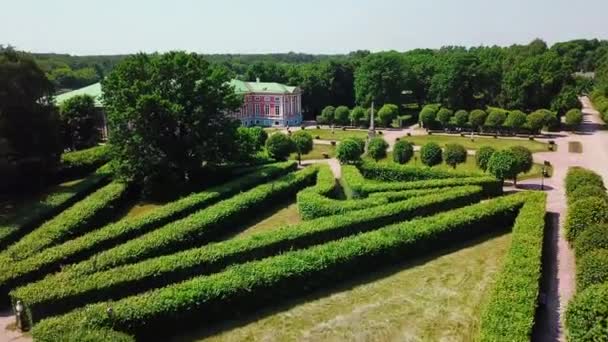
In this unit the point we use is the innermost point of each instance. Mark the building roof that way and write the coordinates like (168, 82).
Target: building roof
(242, 87)
(93, 90)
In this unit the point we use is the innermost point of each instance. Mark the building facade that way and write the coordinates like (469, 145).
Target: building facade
(268, 104)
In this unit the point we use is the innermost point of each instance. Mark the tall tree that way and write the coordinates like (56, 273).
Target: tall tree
(78, 122)
(381, 77)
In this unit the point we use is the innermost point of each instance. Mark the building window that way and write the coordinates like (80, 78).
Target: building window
(266, 98)
(277, 99)
(267, 109)
(277, 110)
(257, 108)
(257, 98)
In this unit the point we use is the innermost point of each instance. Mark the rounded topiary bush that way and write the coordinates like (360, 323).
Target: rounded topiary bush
(431, 154)
(592, 269)
(403, 151)
(592, 238)
(585, 213)
(583, 191)
(377, 148)
(483, 155)
(587, 314)
(349, 151)
(455, 154)
(279, 146)
(580, 177)
(524, 158)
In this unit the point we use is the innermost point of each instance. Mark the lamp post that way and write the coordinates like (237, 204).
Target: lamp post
(19, 315)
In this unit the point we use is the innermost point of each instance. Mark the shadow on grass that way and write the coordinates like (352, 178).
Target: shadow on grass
(348, 284)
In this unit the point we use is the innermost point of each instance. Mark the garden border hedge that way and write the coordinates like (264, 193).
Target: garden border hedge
(64, 291)
(49, 260)
(250, 285)
(79, 163)
(392, 172)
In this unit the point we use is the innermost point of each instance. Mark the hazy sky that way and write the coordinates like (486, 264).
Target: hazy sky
(313, 26)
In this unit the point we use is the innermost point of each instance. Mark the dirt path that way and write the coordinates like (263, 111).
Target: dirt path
(558, 281)
(7, 331)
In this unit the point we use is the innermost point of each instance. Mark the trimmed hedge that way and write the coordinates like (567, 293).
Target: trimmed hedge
(62, 292)
(253, 284)
(79, 163)
(49, 260)
(583, 213)
(356, 186)
(405, 173)
(326, 183)
(200, 227)
(55, 202)
(592, 269)
(592, 238)
(587, 315)
(577, 177)
(78, 219)
(511, 309)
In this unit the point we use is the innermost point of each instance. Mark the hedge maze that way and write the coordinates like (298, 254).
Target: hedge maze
(82, 274)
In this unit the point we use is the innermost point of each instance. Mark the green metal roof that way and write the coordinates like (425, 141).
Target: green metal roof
(261, 87)
(93, 90)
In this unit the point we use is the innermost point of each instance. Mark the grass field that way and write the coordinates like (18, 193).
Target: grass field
(477, 142)
(339, 134)
(317, 152)
(438, 298)
(279, 216)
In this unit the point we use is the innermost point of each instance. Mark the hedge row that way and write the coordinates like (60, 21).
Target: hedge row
(78, 219)
(600, 102)
(511, 309)
(326, 183)
(65, 291)
(58, 200)
(79, 163)
(587, 228)
(257, 283)
(200, 227)
(403, 173)
(47, 261)
(356, 186)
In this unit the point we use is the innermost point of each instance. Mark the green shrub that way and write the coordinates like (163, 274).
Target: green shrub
(405, 173)
(582, 177)
(483, 155)
(516, 119)
(431, 154)
(403, 151)
(444, 116)
(377, 148)
(387, 114)
(583, 191)
(455, 154)
(427, 116)
(327, 115)
(201, 226)
(592, 269)
(48, 260)
(250, 285)
(504, 164)
(510, 312)
(57, 294)
(592, 238)
(349, 151)
(84, 216)
(302, 143)
(79, 163)
(477, 118)
(461, 118)
(587, 314)
(58, 200)
(279, 146)
(574, 117)
(584, 213)
(524, 158)
(342, 115)
(495, 118)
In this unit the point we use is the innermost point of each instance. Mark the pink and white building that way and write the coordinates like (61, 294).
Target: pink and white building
(268, 104)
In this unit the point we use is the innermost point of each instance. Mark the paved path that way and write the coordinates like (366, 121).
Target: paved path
(558, 281)
(8, 333)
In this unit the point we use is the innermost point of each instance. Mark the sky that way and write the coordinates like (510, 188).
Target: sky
(86, 27)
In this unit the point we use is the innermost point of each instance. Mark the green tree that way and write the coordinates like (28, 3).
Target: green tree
(279, 146)
(461, 118)
(342, 115)
(328, 115)
(565, 100)
(535, 121)
(455, 154)
(249, 141)
(477, 118)
(524, 159)
(431, 154)
(403, 151)
(428, 117)
(444, 116)
(381, 77)
(77, 116)
(387, 114)
(456, 79)
(357, 115)
(302, 142)
(166, 116)
(503, 164)
(515, 120)
(495, 118)
(483, 155)
(349, 151)
(29, 126)
(574, 117)
(377, 148)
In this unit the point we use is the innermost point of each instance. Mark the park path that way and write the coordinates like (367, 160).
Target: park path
(8, 333)
(559, 282)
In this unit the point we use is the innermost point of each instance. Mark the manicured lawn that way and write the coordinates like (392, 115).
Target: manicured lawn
(339, 134)
(317, 152)
(575, 147)
(469, 166)
(140, 208)
(534, 146)
(438, 298)
(279, 216)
